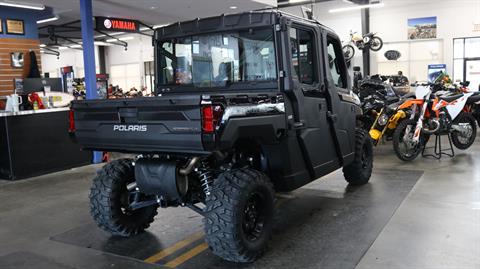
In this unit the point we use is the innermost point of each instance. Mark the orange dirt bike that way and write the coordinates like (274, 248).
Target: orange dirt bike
(369, 40)
(433, 113)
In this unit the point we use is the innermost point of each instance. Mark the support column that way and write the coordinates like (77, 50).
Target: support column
(101, 60)
(366, 30)
(89, 57)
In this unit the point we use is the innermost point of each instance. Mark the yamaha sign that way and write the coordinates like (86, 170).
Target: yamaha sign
(116, 24)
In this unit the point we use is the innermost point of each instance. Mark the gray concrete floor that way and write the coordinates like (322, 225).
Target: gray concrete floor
(437, 225)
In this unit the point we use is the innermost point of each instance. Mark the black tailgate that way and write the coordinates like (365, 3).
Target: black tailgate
(142, 125)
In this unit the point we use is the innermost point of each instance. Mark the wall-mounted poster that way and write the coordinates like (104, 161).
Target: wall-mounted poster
(422, 28)
(15, 27)
(435, 70)
(1, 27)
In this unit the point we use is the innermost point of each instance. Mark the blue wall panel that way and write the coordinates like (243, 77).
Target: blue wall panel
(28, 16)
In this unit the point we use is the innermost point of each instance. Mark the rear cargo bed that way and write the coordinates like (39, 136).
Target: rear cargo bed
(142, 125)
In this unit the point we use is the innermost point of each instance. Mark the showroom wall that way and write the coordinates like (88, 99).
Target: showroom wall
(68, 57)
(455, 18)
(17, 43)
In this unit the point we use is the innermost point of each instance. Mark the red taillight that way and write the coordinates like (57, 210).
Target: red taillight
(208, 125)
(211, 115)
(71, 121)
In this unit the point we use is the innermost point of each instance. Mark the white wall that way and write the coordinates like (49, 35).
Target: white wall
(139, 50)
(455, 18)
(68, 57)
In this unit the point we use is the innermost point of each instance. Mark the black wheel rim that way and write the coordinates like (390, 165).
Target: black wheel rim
(125, 200)
(254, 219)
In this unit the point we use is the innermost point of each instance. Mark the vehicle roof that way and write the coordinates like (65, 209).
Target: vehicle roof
(227, 22)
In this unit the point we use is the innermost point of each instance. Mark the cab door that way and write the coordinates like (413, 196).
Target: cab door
(342, 107)
(314, 132)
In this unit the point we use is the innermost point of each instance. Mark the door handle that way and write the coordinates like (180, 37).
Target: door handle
(298, 125)
(333, 117)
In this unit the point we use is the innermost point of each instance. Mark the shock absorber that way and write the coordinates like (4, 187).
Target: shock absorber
(205, 176)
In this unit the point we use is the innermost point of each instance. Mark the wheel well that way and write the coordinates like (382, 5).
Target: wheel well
(250, 148)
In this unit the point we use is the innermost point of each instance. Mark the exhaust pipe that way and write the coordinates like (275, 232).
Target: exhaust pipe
(432, 131)
(189, 167)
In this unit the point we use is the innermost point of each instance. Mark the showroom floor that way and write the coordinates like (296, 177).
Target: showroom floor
(424, 214)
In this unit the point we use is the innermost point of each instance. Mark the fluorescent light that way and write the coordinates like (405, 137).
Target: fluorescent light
(357, 7)
(42, 45)
(62, 48)
(76, 46)
(121, 38)
(22, 5)
(48, 20)
(100, 43)
(233, 7)
(159, 26)
(296, 1)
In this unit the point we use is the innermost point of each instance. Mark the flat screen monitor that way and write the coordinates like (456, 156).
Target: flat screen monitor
(37, 84)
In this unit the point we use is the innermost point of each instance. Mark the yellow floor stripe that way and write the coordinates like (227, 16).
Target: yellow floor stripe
(187, 255)
(187, 241)
(181, 244)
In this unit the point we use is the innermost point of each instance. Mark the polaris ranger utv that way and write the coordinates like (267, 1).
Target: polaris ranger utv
(247, 105)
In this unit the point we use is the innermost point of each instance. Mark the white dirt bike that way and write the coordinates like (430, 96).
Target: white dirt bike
(434, 112)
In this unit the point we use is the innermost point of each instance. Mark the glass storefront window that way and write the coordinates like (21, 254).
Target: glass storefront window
(472, 47)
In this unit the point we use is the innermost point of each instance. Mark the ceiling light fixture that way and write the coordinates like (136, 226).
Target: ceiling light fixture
(22, 5)
(233, 7)
(374, 5)
(42, 45)
(48, 20)
(121, 38)
(77, 46)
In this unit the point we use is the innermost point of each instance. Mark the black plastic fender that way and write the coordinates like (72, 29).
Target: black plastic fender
(266, 129)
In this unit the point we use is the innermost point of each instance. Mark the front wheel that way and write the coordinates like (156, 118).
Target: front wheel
(465, 136)
(360, 170)
(403, 145)
(376, 43)
(348, 52)
(239, 215)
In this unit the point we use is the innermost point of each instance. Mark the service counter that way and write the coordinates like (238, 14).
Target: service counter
(37, 142)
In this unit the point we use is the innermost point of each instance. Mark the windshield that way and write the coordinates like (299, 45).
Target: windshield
(218, 60)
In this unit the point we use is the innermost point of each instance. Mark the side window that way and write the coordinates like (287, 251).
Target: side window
(339, 74)
(302, 48)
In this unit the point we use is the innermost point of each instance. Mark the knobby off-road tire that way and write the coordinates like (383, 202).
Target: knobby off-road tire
(360, 170)
(398, 135)
(377, 43)
(457, 138)
(230, 232)
(107, 201)
(348, 52)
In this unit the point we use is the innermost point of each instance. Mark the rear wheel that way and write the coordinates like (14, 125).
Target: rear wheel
(348, 52)
(403, 145)
(376, 43)
(110, 200)
(465, 138)
(360, 170)
(239, 215)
